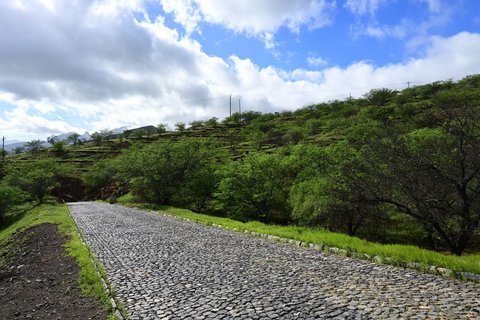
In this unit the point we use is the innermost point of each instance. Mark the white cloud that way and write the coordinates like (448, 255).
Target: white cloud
(20, 124)
(114, 71)
(439, 13)
(254, 18)
(446, 58)
(362, 7)
(379, 31)
(434, 5)
(185, 12)
(314, 61)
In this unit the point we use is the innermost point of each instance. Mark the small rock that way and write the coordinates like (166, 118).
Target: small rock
(445, 272)
(377, 259)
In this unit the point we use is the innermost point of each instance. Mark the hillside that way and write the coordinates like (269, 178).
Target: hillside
(399, 167)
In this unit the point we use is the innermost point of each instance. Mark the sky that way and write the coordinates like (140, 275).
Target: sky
(88, 65)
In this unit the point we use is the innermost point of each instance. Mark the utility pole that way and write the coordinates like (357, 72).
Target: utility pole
(3, 149)
(230, 105)
(239, 107)
(408, 84)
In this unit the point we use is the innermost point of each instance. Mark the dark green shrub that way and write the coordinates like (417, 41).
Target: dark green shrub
(255, 189)
(9, 196)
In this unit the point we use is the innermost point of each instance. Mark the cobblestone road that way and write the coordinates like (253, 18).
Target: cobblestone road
(162, 267)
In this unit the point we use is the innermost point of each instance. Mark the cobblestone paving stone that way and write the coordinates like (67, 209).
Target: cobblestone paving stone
(165, 268)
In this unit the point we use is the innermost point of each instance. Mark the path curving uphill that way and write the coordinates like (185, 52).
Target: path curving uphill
(165, 268)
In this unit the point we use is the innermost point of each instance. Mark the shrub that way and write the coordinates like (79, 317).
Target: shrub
(174, 172)
(34, 145)
(58, 147)
(37, 178)
(9, 196)
(255, 189)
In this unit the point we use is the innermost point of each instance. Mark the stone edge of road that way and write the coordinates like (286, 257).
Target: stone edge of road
(421, 267)
(117, 312)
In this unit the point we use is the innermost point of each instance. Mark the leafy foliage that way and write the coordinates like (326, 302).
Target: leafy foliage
(37, 178)
(34, 145)
(165, 173)
(180, 126)
(433, 174)
(73, 138)
(58, 147)
(100, 136)
(161, 128)
(256, 189)
(9, 196)
(390, 166)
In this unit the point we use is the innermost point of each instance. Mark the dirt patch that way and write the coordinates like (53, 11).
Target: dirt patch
(39, 281)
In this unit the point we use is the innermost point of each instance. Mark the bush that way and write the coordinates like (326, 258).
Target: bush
(175, 172)
(9, 196)
(161, 128)
(101, 174)
(180, 126)
(323, 194)
(58, 147)
(37, 178)
(255, 189)
(380, 97)
(34, 145)
(197, 124)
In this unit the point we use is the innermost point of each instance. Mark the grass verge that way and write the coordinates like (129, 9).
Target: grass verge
(400, 255)
(89, 281)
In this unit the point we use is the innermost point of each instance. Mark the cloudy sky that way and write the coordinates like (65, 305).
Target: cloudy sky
(83, 65)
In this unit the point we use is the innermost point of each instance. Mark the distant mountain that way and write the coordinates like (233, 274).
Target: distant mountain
(119, 130)
(64, 136)
(85, 137)
(10, 145)
(12, 141)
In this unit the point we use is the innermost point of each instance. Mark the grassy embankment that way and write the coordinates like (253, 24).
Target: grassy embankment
(89, 280)
(399, 255)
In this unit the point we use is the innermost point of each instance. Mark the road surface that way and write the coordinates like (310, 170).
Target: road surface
(166, 268)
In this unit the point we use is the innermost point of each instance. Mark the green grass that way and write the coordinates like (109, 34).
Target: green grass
(89, 281)
(399, 255)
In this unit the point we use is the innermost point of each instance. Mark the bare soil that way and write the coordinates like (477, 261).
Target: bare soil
(39, 281)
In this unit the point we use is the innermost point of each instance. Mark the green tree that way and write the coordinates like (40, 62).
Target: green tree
(102, 173)
(197, 124)
(380, 97)
(52, 139)
(58, 148)
(37, 178)
(255, 189)
(433, 174)
(212, 122)
(258, 138)
(161, 128)
(294, 135)
(180, 126)
(324, 193)
(9, 196)
(34, 145)
(173, 172)
(73, 138)
(18, 150)
(100, 136)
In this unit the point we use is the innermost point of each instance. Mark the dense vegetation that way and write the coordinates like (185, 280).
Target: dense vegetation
(392, 167)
